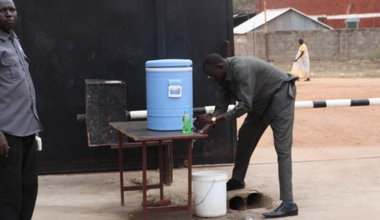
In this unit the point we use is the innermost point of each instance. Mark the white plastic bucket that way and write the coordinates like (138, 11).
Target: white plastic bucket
(210, 193)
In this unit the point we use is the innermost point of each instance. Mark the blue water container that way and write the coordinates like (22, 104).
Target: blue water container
(169, 90)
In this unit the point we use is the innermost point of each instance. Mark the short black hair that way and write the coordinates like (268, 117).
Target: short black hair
(212, 59)
(300, 41)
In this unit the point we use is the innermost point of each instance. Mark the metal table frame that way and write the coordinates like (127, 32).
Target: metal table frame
(137, 130)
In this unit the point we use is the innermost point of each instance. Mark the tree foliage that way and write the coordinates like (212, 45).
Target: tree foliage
(243, 6)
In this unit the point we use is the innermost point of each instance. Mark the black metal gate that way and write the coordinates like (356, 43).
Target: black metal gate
(73, 40)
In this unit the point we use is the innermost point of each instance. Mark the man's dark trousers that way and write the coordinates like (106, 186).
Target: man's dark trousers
(18, 179)
(282, 126)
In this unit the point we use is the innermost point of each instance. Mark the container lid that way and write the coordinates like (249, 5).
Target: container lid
(168, 63)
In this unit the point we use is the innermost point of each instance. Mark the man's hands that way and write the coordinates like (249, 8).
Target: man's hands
(4, 148)
(205, 118)
(206, 128)
(209, 122)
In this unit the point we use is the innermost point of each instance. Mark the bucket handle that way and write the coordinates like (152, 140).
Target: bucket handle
(209, 190)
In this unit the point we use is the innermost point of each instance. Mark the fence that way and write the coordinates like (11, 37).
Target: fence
(336, 45)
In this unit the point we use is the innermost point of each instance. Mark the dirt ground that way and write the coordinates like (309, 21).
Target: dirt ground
(336, 158)
(341, 126)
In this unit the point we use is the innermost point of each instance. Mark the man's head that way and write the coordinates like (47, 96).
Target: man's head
(8, 15)
(214, 66)
(300, 41)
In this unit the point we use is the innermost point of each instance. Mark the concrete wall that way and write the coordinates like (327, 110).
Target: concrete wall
(322, 44)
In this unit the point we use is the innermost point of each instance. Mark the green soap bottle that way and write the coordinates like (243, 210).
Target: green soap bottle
(186, 121)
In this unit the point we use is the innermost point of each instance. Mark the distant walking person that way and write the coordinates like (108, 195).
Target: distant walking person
(301, 65)
(18, 124)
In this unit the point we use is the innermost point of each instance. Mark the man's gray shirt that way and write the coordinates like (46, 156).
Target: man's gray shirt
(18, 114)
(252, 82)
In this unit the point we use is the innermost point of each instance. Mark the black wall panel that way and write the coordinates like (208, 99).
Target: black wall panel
(73, 40)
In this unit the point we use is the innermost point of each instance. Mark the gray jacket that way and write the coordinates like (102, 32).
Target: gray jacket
(255, 85)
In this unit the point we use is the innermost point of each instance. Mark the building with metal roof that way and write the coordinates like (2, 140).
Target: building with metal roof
(285, 19)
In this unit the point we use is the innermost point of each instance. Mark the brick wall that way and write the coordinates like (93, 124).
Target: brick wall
(327, 7)
(323, 44)
(330, 7)
(363, 23)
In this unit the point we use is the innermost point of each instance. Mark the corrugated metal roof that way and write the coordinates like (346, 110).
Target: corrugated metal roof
(271, 14)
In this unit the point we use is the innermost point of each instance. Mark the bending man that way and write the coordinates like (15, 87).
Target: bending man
(267, 95)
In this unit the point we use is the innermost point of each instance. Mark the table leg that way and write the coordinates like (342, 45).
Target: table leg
(189, 177)
(161, 168)
(144, 181)
(121, 168)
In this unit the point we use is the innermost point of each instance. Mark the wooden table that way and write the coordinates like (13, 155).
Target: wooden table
(137, 130)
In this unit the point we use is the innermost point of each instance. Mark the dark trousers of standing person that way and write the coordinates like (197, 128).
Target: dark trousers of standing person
(18, 179)
(282, 126)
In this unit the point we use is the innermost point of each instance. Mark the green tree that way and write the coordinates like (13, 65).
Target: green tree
(242, 6)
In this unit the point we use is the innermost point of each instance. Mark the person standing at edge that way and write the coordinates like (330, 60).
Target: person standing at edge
(301, 65)
(18, 124)
(267, 95)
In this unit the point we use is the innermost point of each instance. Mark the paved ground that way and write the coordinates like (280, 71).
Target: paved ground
(329, 183)
(336, 168)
